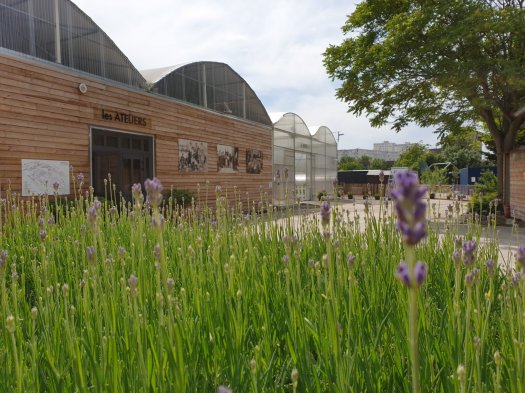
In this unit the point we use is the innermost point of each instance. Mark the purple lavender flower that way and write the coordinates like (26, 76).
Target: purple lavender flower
(121, 251)
(90, 253)
(471, 277)
(490, 264)
(112, 211)
(381, 176)
(286, 259)
(410, 208)
(410, 280)
(350, 260)
(136, 191)
(403, 274)
(156, 251)
(43, 234)
(515, 279)
(170, 283)
(469, 251)
(80, 178)
(457, 257)
(92, 216)
(520, 256)
(223, 389)
(133, 281)
(325, 213)
(3, 258)
(154, 190)
(157, 222)
(420, 273)
(56, 186)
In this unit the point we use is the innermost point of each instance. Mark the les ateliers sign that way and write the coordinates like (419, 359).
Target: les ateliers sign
(124, 117)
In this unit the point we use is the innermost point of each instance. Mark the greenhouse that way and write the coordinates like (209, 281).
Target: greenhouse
(304, 165)
(211, 85)
(60, 32)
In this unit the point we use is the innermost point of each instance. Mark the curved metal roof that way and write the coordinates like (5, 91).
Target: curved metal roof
(292, 122)
(211, 85)
(64, 35)
(324, 134)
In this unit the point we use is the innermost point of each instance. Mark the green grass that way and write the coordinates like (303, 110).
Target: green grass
(217, 303)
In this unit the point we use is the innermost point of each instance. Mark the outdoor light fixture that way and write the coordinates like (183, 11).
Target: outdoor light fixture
(83, 88)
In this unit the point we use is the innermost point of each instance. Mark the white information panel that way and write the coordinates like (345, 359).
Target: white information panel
(40, 176)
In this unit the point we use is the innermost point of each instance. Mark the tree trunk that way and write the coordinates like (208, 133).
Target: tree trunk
(503, 163)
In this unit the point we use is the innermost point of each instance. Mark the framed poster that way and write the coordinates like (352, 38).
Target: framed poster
(45, 177)
(254, 161)
(227, 158)
(193, 156)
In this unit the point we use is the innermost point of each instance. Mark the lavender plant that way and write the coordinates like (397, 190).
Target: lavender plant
(411, 223)
(91, 310)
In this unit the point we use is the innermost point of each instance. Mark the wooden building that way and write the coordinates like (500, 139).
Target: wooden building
(69, 98)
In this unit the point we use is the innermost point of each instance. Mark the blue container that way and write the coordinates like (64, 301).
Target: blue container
(470, 176)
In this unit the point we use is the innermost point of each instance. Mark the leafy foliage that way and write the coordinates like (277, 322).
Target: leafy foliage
(347, 163)
(439, 63)
(485, 191)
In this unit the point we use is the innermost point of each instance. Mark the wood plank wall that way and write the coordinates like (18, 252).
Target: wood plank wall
(517, 183)
(43, 115)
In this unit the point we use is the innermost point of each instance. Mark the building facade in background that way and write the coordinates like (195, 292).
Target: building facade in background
(71, 102)
(387, 151)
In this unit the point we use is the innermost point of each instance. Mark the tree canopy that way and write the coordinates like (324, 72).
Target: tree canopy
(347, 163)
(447, 64)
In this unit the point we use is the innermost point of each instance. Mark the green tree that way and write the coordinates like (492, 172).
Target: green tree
(347, 163)
(436, 63)
(462, 149)
(378, 163)
(365, 161)
(413, 157)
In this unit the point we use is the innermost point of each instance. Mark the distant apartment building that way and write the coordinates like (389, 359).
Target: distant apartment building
(387, 151)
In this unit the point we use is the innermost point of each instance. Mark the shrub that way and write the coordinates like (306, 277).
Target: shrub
(179, 197)
(485, 191)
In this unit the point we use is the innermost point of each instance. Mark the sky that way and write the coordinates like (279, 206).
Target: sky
(275, 45)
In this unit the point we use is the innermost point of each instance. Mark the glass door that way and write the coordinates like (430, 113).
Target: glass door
(127, 158)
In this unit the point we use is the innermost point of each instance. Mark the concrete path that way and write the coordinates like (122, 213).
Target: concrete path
(509, 236)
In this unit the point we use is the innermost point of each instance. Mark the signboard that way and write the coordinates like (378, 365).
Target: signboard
(124, 117)
(44, 177)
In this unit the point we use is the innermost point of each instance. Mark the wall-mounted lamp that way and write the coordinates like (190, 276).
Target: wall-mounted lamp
(83, 88)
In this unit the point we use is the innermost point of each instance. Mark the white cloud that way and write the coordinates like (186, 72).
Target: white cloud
(275, 45)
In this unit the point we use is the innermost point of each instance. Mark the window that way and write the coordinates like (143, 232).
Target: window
(128, 158)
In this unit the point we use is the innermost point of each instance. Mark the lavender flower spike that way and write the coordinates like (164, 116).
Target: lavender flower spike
(469, 251)
(403, 274)
(420, 273)
(520, 256)
(154, 189)
(3, 258)
(325, 213)
(409, 206)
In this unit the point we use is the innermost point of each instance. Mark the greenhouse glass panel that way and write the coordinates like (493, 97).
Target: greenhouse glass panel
(212, 85)
(31, 26)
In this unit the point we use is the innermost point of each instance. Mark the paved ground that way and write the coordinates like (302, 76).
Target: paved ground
(510, 236)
